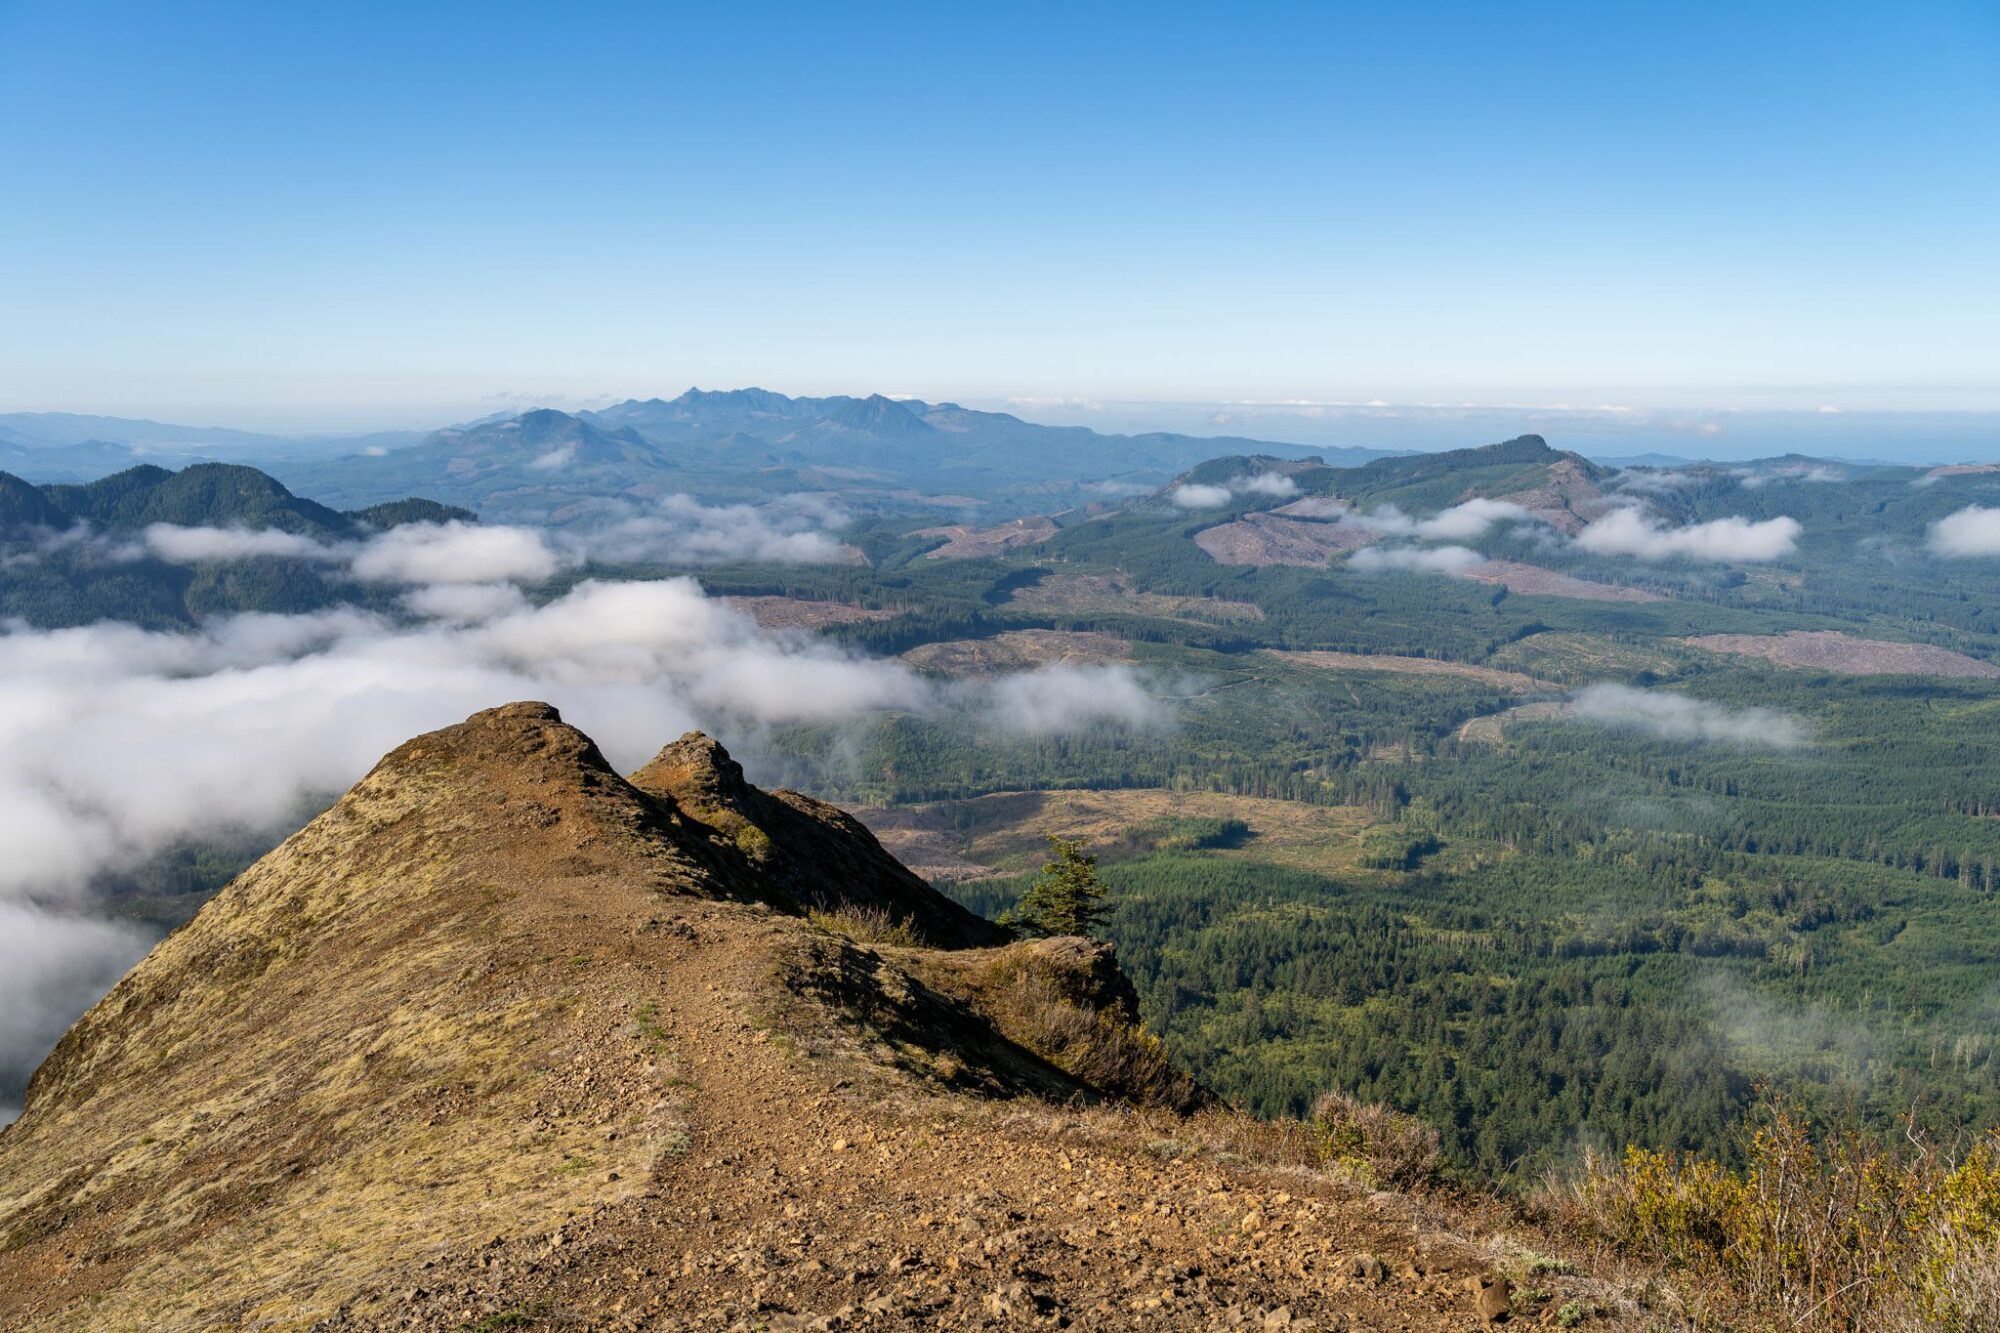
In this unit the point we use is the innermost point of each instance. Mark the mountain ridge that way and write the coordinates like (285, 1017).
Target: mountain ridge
(505, 1036)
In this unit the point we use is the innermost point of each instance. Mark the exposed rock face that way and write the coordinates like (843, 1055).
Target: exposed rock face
(503, 1039)
(802, 852)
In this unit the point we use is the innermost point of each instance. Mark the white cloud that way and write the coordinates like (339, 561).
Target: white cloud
(1971, 531)
(465, 601)
(458, 553)
(1058, 404)
(1194, 496)
(559, 457)
(53, 966)
(115, 741)
(1268, 483)
(1424, 559)
(186, 546)
(1655, 481)
(1463, 521)
(797, 530)
(1679, 717)
(1629, 532)
(1200, 495)
(1061, 697)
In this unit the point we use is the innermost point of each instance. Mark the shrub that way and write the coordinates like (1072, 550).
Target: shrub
(1832, 1235)
(1376, 1143)
(866, 925)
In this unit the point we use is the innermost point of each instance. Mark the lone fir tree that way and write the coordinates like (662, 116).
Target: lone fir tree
(1067, 898)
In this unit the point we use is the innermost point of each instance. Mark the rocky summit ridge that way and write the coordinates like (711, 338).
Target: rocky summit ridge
(504, 1040)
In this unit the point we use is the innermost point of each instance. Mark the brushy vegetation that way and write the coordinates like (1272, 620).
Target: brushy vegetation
(866, 925)
(1376, 1144)
(1098, 1048)
(1835, 1233)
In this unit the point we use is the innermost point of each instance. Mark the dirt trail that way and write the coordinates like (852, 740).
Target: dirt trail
(817, 1192)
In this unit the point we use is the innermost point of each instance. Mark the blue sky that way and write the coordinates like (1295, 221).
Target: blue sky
(370, 214)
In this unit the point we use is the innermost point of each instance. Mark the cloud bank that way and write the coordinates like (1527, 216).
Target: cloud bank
(1462, 522)
(1196, 495)
(798, 530)
(1061, 697)
(446, 553)
(189, 546)
(1972, 531)
(1422, 559)
(1627, 531)
(1681, 718)
(118, 742)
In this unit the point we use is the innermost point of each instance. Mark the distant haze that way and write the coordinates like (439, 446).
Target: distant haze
(1619, 431)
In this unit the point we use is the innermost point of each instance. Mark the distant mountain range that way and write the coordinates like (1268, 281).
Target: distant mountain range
(879, 453)
(876, 454)
(888, 454)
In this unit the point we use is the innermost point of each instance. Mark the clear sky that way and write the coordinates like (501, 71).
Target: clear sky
(371, 213)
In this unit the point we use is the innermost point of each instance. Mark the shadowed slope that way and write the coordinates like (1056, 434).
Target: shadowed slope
(813, 856)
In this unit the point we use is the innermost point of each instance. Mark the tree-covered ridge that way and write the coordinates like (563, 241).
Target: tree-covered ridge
(72, 557)
(215, 495)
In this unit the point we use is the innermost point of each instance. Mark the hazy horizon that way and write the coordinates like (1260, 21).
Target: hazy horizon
(1605, 429)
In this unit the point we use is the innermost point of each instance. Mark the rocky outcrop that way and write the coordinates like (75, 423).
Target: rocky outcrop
(806, 854)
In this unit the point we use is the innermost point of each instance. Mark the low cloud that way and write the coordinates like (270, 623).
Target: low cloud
(797, 530)
(1196, 495)
(190, 546)
(1461, 522)
(1682, 718)
(465, 602)
(1972, 531)
(457, 552)
(1200, 497)
(117, 742)
(1275, 484)
(53, 966)
(1061, 697)
(1655, 481)
(1628, 531)
(1423, 559)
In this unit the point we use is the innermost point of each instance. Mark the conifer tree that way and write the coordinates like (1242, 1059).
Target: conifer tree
(1067, 898)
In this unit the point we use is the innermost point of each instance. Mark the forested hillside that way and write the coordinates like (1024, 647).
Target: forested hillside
(1606, 843)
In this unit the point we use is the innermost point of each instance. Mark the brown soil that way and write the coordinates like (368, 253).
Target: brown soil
(1115, 594)
(1315, 506)
(1268, 539)
(802, 613)
(1019, 650)
(1565, 499)
(1534, 581)
(1492, 727)
(967, 543)
(1414, 666)
(505, 1041)
(1830, 650)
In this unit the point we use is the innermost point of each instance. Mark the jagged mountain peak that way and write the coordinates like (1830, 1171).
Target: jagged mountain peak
(695, 768)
